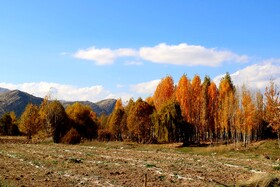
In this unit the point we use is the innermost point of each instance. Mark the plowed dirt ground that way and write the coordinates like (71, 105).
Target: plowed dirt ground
(23, 163)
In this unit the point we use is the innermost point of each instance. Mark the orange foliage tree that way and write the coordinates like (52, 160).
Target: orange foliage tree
(272, 108)
(196, 100)
(164, 92)
(213, 110)
(183, 96)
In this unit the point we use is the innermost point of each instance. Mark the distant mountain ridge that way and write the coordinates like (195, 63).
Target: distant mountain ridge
(3, 90)
(102, 107)
(17, 100)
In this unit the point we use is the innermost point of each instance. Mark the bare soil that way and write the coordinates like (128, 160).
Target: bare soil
(23, 163)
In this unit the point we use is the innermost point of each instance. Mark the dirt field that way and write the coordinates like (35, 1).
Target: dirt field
(125, 164)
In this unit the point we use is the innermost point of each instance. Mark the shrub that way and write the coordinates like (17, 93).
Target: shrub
(104, 135)
(72, 137)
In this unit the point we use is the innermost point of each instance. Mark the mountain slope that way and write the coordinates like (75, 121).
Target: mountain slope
(3, 90)
(102, 107)
(17, 100)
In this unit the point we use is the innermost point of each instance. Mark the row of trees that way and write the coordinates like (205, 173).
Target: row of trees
(50, 119)
(191, 111)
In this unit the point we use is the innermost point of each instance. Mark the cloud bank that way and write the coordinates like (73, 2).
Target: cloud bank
(256, 76)
(189, 55)
(182, 54)
(73, 93)
(61, 91)
(145, 87)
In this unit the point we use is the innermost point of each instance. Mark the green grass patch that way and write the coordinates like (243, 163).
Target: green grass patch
(161, 177)
(150, 165)
(277, 168)
(76, 160)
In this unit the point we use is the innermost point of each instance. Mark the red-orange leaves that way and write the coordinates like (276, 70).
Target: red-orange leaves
(164, 92)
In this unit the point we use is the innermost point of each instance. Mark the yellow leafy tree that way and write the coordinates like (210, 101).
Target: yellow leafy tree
(227, 106)
(139, 121)
(29, 123)
(272, 108)
(116, 125)
(248, 114)
(83, 119)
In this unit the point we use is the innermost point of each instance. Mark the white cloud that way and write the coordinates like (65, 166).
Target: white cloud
(182, 54)
(256, 76)
(100, 56)
(103, 56)
(123, 95)
(125, 52)
(137, 63)
(145, 87)
(189, 55)
(61, 91)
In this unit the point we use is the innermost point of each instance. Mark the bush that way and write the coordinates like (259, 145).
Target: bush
(72, 137)
(104, 135)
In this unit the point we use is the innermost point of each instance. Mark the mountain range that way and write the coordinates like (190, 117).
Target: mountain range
(17, 100)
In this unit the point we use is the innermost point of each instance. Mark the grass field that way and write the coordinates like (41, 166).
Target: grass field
(23, 163)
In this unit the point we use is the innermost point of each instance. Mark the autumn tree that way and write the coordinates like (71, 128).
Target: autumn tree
(184, 96)
(213, 94)
(168, 123)
(227, 106)
(164, 92)
(58, 120)
(116, 123)
(83, 119)
(150, 101)
(248, 110)
(139, 121)
(43, 121)
(259, 117)
(8, 124)
(29, 123)
(204, 113)
(196, 106)
(272, 108)
(53, 119)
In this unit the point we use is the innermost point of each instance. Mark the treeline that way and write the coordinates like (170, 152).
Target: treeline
(195, 111)
(191, 111)
(51, 119)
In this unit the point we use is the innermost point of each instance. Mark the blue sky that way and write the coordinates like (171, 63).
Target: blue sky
(92, 50)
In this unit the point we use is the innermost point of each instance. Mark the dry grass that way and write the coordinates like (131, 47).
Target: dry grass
(262, 180)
